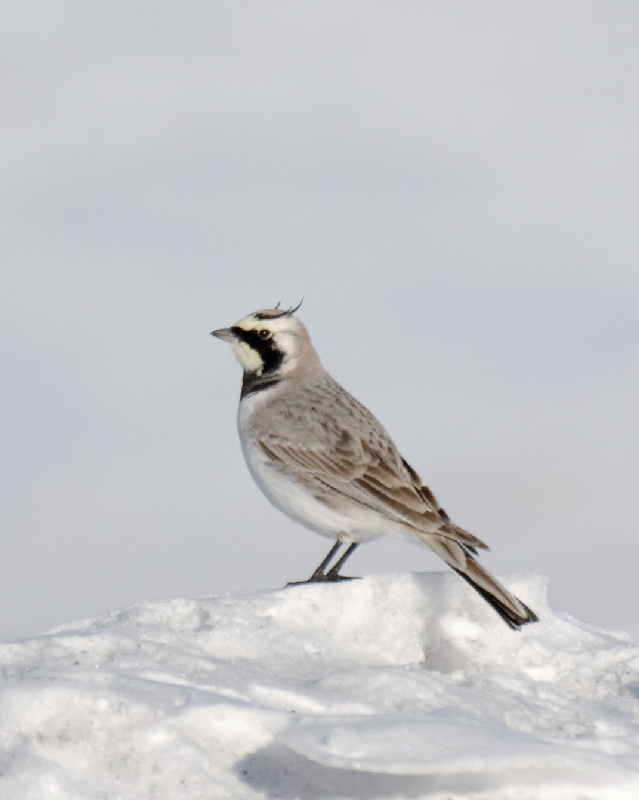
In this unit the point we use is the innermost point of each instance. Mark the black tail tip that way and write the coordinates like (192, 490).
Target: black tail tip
(517, 622)
(514, 619)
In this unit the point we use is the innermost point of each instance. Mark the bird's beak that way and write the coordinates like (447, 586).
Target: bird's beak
(224, 333)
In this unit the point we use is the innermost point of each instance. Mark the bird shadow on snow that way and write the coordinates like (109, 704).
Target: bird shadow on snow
(279, 772)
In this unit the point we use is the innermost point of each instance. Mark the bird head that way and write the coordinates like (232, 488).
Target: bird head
(270, 343)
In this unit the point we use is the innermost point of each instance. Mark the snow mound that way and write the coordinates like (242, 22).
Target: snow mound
(392, 686)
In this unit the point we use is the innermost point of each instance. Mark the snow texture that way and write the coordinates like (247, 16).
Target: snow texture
(395, 686)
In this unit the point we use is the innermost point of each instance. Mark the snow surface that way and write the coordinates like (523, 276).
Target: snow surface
(394, 686)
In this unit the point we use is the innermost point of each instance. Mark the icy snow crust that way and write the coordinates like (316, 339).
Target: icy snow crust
(396, 686)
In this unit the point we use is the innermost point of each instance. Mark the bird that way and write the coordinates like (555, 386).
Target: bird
(321, 457)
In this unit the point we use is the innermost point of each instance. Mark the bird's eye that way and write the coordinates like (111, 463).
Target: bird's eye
(264, 333)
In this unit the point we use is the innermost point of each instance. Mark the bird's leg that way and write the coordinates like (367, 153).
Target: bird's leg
(333, 574)
(319, 575)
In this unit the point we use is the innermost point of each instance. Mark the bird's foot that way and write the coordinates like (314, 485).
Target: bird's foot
(331, 576)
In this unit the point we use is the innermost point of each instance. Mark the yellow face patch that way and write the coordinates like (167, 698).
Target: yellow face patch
(275, 325)
(258, 352)
(248, 358)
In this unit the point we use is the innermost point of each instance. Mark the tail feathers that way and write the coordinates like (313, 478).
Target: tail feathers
(510, 608)
(469, 541)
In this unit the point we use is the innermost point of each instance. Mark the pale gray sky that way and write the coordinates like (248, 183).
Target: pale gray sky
(452, 187)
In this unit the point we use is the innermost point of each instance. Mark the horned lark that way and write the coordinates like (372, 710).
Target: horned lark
(322, 458)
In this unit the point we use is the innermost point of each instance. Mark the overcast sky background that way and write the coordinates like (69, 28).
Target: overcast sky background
(454, 190)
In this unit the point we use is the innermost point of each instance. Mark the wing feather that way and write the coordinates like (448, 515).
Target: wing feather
(359, 474)
(330, 440)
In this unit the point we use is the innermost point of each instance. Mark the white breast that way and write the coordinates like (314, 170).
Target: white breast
(348, 524)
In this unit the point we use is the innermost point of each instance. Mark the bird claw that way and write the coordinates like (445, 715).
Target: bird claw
(334, 576)
(328, 577)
